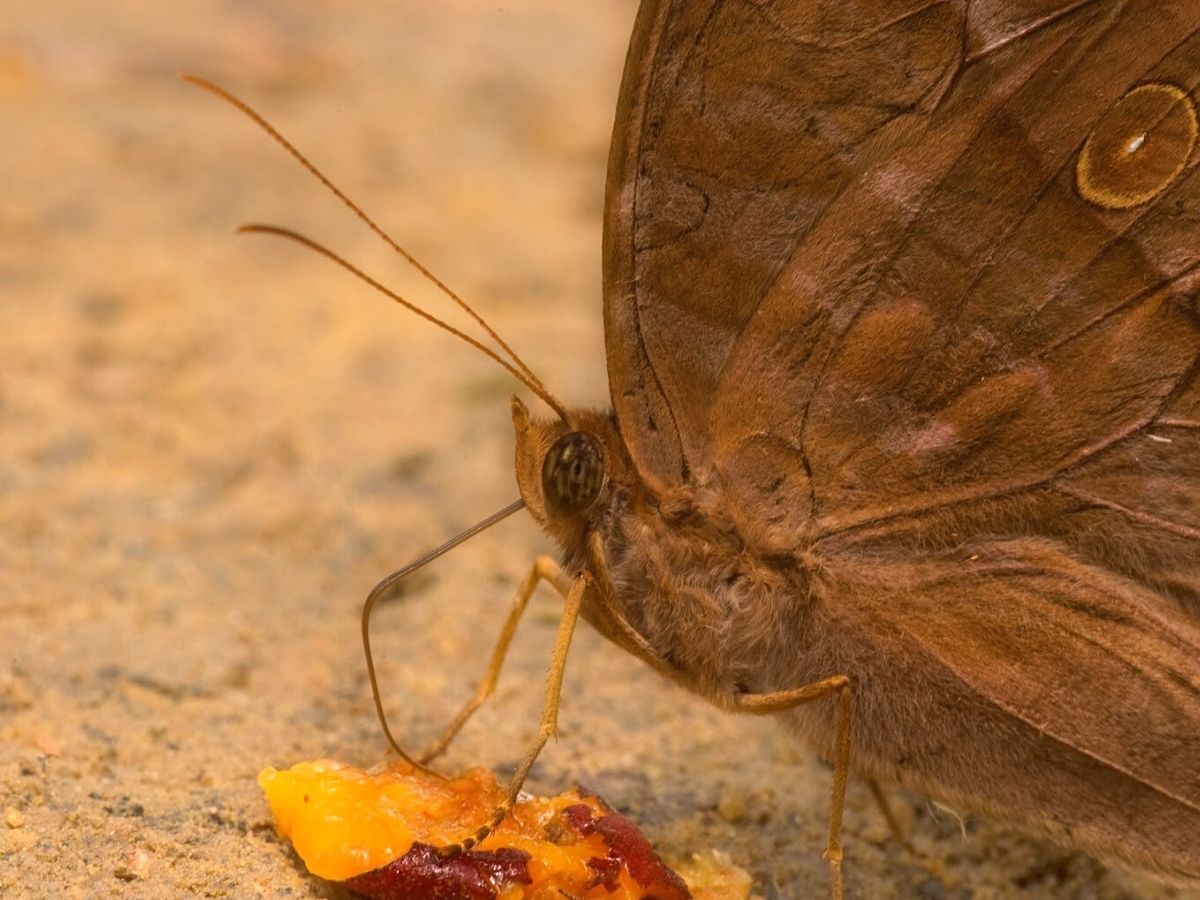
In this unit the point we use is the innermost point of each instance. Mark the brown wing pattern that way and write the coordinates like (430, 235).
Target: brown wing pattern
(1031, 329)
(855, 269)
(738, 124)
(916, 283)
(1055, 696)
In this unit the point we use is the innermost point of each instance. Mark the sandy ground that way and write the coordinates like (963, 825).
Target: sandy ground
(212, 446)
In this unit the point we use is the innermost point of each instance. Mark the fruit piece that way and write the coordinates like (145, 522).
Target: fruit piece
(379, 833)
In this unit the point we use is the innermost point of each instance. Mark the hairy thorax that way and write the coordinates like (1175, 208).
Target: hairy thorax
(725, 619)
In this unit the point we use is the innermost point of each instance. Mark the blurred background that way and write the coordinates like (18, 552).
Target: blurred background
(211, 446)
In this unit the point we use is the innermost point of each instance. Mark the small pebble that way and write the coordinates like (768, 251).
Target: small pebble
(13, 817)
(732, 807)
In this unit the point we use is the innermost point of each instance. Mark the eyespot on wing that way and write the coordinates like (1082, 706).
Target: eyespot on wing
(1138, 148)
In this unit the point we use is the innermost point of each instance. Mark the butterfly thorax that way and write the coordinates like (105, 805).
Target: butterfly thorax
(673, 567)
(725, 619)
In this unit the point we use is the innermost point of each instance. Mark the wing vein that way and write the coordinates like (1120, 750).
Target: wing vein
(1138, 516)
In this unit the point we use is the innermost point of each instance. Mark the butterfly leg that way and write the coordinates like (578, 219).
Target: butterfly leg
(543, 569)
(778, 701)
(549, 724)
(893, 823)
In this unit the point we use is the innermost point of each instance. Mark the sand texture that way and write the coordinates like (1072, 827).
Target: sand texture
(211, 446)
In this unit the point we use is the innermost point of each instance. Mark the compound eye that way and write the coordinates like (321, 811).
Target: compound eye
(573, 473)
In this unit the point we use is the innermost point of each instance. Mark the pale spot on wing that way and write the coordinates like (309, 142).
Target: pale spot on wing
(935, 437)
(894, 183)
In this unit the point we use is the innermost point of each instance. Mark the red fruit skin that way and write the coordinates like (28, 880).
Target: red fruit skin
(627, 846)
(423, 873)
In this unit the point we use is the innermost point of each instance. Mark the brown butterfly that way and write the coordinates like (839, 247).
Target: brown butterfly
(904, 355)
(903, 343)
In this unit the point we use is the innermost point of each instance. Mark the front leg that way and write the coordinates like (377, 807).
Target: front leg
(543, 569)
(549, 725)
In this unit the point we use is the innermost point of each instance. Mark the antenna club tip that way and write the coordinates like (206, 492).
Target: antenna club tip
(204, 84)
(260, 228)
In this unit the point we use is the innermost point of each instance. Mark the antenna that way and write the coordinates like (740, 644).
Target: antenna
(525, 375)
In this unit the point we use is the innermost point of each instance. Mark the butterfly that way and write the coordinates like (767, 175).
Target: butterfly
(903, 346)
(903, 340)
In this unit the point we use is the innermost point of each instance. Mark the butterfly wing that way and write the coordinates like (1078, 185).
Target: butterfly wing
(911, 286)
(726, 152)
(1003, 676)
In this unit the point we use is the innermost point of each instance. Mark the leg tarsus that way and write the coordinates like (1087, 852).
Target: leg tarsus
(841, 774)
(889, 816)
(549, 724)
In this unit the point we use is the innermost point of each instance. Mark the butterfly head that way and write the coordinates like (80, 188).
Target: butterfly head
(564, 468)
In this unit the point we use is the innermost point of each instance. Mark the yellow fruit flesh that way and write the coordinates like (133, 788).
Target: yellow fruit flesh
(344, 821)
